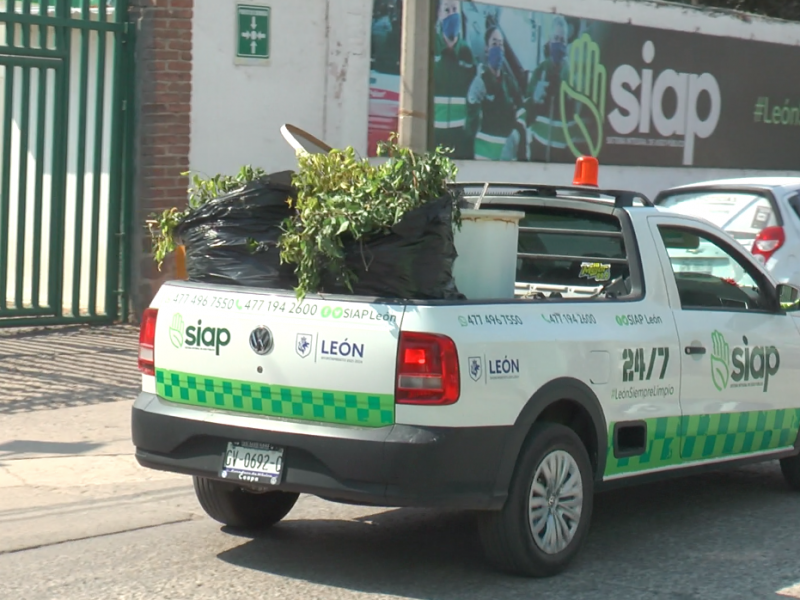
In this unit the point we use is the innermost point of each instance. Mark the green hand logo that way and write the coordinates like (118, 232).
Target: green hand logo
(176, 330)
(720, 361)
(586, 87)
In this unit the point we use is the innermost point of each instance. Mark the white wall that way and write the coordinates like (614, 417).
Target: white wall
(237, 110)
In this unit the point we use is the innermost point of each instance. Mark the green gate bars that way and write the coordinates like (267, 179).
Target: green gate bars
(65, 75)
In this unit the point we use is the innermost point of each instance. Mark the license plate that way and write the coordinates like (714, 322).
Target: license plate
(252, 462)
(696, 266)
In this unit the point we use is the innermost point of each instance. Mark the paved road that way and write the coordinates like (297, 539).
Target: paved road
(80, 520)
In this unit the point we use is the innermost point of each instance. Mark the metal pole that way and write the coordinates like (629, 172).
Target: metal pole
(416, 103)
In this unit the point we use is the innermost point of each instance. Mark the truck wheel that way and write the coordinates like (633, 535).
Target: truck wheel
(233, 506)
(546, 516)
(791, 471)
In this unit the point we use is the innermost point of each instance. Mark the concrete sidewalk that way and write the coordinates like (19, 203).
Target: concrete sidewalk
(67, 469)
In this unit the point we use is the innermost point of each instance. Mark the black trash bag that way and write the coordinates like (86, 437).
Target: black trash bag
(218, 236)
(414, 261)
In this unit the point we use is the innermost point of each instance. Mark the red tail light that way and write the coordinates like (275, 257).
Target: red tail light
(427, 370)
(767, 242)
(147, 339)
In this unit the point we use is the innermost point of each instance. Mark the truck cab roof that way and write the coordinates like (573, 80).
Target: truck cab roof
(476, 194)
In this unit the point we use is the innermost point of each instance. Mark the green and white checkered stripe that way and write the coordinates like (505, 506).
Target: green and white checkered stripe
(707, 437)
(343, 408)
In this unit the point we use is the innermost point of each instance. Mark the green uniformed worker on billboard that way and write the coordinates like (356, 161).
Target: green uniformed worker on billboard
(453, 71)
(386, 28)
(542, 98)
(492, 104)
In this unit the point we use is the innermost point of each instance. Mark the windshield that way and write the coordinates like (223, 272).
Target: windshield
(741, 214)
(710, 259)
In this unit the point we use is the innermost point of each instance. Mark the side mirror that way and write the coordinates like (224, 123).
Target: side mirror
(788, 296)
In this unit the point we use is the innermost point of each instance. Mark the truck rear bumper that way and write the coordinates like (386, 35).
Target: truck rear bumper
(399, 465)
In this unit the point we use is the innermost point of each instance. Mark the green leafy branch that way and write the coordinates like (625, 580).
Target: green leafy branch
(202, 190)
(162, 233)
(341, 197)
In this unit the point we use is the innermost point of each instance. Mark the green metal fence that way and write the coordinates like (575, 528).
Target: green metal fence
(65, 80)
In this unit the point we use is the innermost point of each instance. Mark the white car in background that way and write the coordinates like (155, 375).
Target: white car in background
(761, 213)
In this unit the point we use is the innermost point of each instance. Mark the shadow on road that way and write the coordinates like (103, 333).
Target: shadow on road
(721, 535)
(15, 447)
(65, 367)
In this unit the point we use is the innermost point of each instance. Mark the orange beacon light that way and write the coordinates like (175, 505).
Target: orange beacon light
(586, 171)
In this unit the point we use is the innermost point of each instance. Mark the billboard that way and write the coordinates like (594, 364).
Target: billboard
(519, 85)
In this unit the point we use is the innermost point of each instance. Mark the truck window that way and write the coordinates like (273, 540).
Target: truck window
(569, 248)
(709, 275)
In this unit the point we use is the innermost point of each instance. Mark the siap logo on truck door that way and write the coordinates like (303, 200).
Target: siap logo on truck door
(745, 366)
(197, 337)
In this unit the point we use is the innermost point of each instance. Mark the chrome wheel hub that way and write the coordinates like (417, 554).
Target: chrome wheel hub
(555, 502)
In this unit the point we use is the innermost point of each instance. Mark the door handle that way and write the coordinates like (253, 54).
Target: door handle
(695, 350)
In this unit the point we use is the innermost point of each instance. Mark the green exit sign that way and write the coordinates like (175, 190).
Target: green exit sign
(252, 31)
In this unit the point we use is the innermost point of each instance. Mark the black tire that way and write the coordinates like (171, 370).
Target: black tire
(506, 535)
(233, 506)
(791, 471)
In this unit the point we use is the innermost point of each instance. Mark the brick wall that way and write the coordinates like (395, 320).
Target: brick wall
(163, 129)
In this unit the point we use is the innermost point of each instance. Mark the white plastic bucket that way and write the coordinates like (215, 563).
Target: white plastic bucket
(486, 266)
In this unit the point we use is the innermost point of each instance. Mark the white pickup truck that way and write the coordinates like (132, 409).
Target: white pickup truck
(640, 345)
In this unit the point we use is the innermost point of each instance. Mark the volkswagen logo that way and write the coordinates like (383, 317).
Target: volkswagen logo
(261, 340)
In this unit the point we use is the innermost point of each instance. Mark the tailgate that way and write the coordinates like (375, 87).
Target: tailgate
(266, 354)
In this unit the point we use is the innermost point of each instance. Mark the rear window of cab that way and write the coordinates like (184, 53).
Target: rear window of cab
(571, 248)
